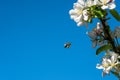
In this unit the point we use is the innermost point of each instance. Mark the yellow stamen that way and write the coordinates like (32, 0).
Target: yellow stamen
(105, 2)
(79, 12)
(105, 65)
(113, 64)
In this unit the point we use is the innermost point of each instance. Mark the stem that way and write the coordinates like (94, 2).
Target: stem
(107, 34)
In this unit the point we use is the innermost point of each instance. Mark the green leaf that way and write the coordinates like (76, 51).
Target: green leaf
(89, 20)
(115, 14)
(98, 13)
(103, 48)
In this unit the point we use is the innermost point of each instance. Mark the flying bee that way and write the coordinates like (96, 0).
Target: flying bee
(67, 45)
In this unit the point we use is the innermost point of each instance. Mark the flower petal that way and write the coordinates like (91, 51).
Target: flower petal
(107, 70)
(72, 12)
(104, 7)
(73, 16)
(78, 19)
(78, 6)
(79, 23)
(103, 74)
(81, 2)
(111, 5)
(99, 66)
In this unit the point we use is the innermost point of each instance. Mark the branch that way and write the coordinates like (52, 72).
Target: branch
(107, 35)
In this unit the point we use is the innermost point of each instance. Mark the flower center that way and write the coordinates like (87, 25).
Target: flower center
(105, 2)
(79, 11)
(105, 65)
(113, 64)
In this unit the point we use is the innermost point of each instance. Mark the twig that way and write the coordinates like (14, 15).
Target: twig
(107, 34)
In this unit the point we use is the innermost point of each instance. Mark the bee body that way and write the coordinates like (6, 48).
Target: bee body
(67, 45)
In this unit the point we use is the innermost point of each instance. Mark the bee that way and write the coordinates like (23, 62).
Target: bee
(67, 45)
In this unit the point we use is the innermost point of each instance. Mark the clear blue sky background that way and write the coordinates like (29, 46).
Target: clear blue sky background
(32, 34)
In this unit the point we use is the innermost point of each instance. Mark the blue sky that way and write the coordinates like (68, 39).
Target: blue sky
(32, 34)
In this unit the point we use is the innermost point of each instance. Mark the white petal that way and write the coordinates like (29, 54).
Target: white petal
(85, 18)
(113, 59)
(81, 2)
(107, 70)
(96, 2)
(80, 23)
(89, 3)
(85, 15)
(78, 19)
(99, 66)
(104, 7)
(103, 74)
(78, 6)
(118, 63)
(108, 61)
(104, 61)
(118, 57)
(104, 1)
(111, 6)
(72, 12)
(73, 16)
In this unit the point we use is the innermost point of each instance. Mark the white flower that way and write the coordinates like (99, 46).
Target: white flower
(108, 64)
(106, 4)
(90, 3)
(111, 53)
(79, 14)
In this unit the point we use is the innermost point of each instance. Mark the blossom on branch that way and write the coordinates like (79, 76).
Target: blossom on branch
(106, 4)
(108, 63)
(79, 14)
(83, 12)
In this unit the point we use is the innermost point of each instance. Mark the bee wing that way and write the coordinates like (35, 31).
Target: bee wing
(67, 45)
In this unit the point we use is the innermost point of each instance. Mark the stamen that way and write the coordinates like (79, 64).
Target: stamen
(105, 2)
(79, 12)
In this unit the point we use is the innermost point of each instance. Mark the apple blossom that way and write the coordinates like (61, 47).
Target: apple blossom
(106, 4)
(108, 63)
(79, 13)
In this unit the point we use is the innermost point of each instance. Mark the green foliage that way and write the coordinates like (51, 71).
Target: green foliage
(115, 14)
(89, 20)
(97, 12)
(103, 48)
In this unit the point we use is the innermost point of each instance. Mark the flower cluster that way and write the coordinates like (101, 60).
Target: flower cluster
(82, 11)
(109, 62)
(102, 36)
